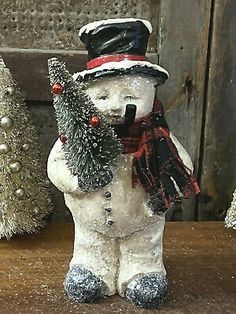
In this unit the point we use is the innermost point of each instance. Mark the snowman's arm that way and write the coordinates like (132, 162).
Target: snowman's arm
(58, 171)
(182, 153)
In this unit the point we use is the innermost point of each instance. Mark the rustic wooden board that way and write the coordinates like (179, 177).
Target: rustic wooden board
(200, 259)
(55, 24)
(182, 49)
(218, 177)
(29, 69)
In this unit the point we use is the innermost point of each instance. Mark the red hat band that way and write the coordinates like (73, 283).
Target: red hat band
(96, 62)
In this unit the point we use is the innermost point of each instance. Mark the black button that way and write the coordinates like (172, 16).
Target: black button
(109, 222)
(108, 209)
(108, 194)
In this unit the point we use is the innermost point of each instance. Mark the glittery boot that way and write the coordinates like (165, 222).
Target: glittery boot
(148, 291)
(83, 286)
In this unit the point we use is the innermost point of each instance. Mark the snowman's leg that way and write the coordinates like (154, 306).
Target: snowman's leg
(93, 268)
(142, 277)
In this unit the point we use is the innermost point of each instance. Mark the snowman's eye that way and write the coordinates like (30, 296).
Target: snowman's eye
(102, 97)
(130, 97)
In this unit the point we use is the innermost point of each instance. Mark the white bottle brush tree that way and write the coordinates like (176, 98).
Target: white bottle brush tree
(24, 193)
(230, 219)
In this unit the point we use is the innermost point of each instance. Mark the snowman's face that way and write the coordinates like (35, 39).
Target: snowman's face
(111, 95)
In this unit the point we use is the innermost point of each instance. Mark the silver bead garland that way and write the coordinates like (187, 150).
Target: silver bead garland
(4, 148)
(15, 166)
(26, 147)
(19, 193)
(6, 122)
(23, 194)
(10, 90)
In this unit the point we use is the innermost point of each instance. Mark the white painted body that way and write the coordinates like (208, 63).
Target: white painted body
(132, 245)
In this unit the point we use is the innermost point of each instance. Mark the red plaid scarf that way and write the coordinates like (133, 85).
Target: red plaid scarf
(157, 165)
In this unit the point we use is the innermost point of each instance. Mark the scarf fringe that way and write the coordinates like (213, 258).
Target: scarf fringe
(157, 165)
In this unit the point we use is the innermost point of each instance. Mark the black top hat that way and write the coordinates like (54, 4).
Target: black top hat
(118, 46)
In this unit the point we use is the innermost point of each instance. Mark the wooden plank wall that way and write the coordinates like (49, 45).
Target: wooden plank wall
(186, 39)
(218, 146)
(182, 48)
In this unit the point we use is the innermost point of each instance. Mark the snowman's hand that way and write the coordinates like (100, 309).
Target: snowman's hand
(182, 152)
(58, 171)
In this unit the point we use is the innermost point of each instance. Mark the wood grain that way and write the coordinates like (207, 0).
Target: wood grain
(30, 70)
(182, 48)
(200, 259)
(218, 173)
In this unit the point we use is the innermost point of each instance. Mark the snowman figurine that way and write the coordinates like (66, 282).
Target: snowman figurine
(119, 212)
